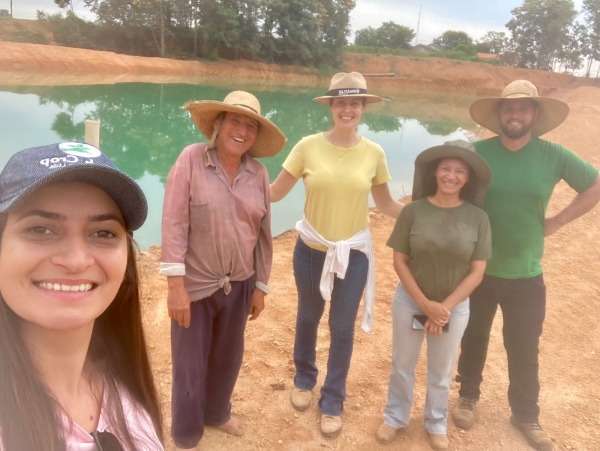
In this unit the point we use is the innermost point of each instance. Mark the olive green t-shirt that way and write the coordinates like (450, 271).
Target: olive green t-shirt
(441, 243)
(518, 196)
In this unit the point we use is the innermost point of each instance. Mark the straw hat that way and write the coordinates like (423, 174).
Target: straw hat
(552, 112)
(452, 149)
(347, 85)
(269, 140)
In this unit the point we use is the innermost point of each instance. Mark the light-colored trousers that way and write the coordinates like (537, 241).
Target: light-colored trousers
(441, 356)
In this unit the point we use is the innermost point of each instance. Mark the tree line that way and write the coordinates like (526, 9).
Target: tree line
(543, 34)
(305, 32)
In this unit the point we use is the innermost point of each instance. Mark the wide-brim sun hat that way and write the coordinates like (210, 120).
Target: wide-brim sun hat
(269, 140)
(452, 149)
(552, 112)
(345, 84)
(31, 169)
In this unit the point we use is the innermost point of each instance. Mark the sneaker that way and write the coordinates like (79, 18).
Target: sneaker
(300, 398)
(331, 425)
(439, 442)
(463, 413)
(534, 434)
(386, 433)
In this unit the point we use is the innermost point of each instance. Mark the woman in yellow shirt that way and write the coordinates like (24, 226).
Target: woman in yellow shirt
(333, 258)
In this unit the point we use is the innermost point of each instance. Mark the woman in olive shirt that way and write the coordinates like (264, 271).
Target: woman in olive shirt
(441, 242)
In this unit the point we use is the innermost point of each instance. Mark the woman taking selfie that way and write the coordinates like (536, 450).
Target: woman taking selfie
(74, 371)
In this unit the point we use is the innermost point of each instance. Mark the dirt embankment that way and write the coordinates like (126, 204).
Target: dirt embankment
(33, 64)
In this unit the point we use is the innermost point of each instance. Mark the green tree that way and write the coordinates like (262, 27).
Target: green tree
(334, 28)
(290, 31)
(367, 37)
(493, 42)
(305, 32)
(591, 12)
(389, 35)
(133, 19)
(540, 29)
(453, 38)
(570, 56)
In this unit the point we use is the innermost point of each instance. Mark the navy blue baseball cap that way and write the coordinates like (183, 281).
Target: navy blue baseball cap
(31, 169)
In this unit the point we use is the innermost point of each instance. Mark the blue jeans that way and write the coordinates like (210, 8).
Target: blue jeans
(441, 356)
(345, 299)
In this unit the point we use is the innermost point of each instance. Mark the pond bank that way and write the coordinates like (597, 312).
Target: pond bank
(34, 64)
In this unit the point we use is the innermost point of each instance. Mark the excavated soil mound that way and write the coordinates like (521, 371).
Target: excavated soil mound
(32, 64)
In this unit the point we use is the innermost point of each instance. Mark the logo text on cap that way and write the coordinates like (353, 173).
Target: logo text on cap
(57, 162)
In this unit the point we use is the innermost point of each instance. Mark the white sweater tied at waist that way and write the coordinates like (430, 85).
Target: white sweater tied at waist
(336, 264)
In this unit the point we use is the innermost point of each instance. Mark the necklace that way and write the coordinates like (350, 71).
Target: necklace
(342, 149)
(340, 155)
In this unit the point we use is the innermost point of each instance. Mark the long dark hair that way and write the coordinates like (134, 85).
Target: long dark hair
(30, 416)
(467, 192)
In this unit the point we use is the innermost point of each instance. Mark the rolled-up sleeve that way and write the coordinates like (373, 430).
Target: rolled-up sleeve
(263, 252)
(176, 217)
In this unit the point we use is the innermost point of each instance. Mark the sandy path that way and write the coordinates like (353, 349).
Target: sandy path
(570, 360)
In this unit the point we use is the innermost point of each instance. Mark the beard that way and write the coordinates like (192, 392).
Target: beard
(516, 134)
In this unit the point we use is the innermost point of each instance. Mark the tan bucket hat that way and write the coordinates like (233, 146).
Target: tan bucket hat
(269, 140)
(345, 84)
(423, 180)
(552, 111)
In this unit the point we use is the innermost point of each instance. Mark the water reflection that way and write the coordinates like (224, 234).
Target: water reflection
(143, 129)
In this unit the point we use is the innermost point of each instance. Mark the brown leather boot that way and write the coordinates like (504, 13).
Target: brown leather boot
(300, 398)
(534, 434)
(331, 425)
(386, 433)
(463, 413)
(439, 442)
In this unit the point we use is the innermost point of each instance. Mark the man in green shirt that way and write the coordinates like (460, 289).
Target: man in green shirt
(525, 170)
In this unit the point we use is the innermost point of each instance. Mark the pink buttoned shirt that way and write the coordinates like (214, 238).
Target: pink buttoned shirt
(215, 231)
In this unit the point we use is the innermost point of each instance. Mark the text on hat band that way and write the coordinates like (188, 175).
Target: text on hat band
(345, 92)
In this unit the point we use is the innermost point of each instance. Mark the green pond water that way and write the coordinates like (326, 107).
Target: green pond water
(143, 129)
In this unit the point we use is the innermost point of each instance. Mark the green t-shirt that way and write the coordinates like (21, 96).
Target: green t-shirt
(441, 243)
(518, 196)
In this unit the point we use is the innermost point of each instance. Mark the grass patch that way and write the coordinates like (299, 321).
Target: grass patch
(451, 54)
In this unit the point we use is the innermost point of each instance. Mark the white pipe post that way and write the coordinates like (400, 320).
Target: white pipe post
(92, 133)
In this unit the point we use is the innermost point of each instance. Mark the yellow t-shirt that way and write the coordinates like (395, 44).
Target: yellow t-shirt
(337, 192)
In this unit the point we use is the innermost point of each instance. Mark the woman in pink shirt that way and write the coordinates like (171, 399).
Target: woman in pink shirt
(74, 371)
(216, 253)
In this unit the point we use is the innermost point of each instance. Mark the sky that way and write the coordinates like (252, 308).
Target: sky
(476, 17)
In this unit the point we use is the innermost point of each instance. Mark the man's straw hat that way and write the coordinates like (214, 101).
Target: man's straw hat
(452, 149)
(345, 84)
(269, 140)
(552, 112)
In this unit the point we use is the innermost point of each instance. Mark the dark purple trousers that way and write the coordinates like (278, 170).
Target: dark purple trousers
(206, 362)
